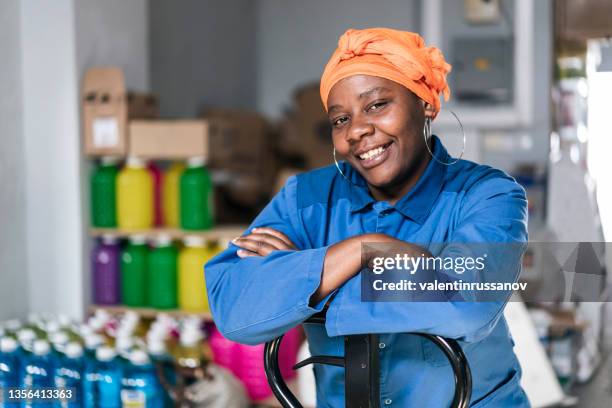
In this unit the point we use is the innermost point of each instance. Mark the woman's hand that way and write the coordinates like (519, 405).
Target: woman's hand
(262, 241)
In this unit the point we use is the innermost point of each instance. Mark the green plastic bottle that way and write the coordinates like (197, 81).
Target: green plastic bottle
(103, 199)
(196, 196)
(134, 272)
(162, 290)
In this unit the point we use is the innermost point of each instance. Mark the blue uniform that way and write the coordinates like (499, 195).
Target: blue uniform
(258, 298)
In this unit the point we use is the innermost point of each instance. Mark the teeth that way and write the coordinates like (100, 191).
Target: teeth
(372, 153)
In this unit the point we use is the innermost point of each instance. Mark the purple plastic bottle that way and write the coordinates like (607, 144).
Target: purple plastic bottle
(106, 274)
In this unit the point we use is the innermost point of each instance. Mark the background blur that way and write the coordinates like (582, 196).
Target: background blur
(531, 83)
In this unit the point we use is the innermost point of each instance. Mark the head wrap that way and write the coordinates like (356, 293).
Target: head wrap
(400, 56)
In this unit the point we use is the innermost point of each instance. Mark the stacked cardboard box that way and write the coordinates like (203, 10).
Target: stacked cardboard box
(306, 132)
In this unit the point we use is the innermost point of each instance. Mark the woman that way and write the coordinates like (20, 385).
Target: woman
(303, 252)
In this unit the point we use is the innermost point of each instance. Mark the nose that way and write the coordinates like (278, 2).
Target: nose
(359, 128)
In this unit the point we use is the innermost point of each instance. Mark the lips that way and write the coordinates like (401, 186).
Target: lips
(373, 156)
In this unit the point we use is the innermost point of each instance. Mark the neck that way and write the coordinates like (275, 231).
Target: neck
(396, 191)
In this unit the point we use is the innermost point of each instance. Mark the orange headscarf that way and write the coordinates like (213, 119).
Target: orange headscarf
(400, 56)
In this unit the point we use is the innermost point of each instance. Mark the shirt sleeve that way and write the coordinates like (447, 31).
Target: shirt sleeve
(493, 215)
(256, 299)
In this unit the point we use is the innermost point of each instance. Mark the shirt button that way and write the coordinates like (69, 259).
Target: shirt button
(388, 401)
(381, 345)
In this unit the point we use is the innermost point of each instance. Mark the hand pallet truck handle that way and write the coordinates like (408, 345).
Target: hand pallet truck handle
(368, 395)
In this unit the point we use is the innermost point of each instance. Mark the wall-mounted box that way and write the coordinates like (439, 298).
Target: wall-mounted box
(107, 107)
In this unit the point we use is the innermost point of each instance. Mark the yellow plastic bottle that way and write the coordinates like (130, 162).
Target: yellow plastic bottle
(171, 194)
(192, 288)
(135, 207)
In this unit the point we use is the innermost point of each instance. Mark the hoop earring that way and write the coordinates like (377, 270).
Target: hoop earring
(339, 169)
(427, 136)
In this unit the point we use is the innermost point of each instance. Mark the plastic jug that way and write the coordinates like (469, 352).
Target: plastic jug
(135, 205)
(191, 286)
(171, 195)
(37, 372)
(108, 374)
(103, 193)
(162, 265)
(9, 370)
(140, 387)
(69, 373)
(196, 200)
(106, 279)
(226, 353)
(134, 272)
(157, 177)
(251, 365)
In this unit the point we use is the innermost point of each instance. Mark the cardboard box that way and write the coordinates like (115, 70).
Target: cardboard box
(313, 127)
(107, 107)
(174, 139)
(306, 132)
(247, 153)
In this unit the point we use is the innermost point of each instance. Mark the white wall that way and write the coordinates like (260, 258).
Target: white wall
(202, 54)
(50, 131)
(296, 38)
(114, 32)
(13, 276)
(58, 41)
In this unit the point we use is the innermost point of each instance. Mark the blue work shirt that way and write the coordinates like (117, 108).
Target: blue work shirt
(256, 299)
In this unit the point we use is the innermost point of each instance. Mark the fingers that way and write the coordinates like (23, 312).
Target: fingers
(257, 245)
(261, 242)
(277, 234)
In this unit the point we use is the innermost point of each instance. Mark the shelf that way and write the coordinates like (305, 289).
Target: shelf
(149, 313)
(217, 233)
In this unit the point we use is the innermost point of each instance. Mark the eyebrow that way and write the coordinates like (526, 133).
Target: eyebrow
(362, 95)
(372, 91)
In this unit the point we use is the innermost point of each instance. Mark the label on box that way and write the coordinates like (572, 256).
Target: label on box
(105, 132)
(133, 399)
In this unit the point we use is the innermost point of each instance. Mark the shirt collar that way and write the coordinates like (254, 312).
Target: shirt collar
(417, 203)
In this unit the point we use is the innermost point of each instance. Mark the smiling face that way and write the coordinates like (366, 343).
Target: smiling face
(377, 125)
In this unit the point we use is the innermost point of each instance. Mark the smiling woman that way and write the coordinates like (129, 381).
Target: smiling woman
(303, 252)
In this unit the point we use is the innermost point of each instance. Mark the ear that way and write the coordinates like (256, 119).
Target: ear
(429, 110)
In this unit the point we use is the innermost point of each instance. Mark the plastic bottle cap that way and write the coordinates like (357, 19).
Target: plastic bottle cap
(138, 239)
(92, 341)
(13, 325)
(25, 335)
(194, 241)
(105, 353)
(191, 337)
(33, 318)
(59, 338)
(41, 347)
(197, 161)
(102, 315)
(85, 330)
(8, 345)
(73, 350)
(139, 357)
(109, 160)
(162, 240)
(109, 239)
(64, 320)
(156, 347)
(133, 161)
(123, 343)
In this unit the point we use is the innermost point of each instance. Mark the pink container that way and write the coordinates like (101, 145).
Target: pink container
(226, 353)
(156, 174)
(251, 365)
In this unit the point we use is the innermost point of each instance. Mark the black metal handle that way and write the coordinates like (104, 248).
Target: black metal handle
(451, 349)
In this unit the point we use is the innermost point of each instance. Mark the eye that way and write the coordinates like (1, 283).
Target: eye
(339, 121)
(376, 106)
